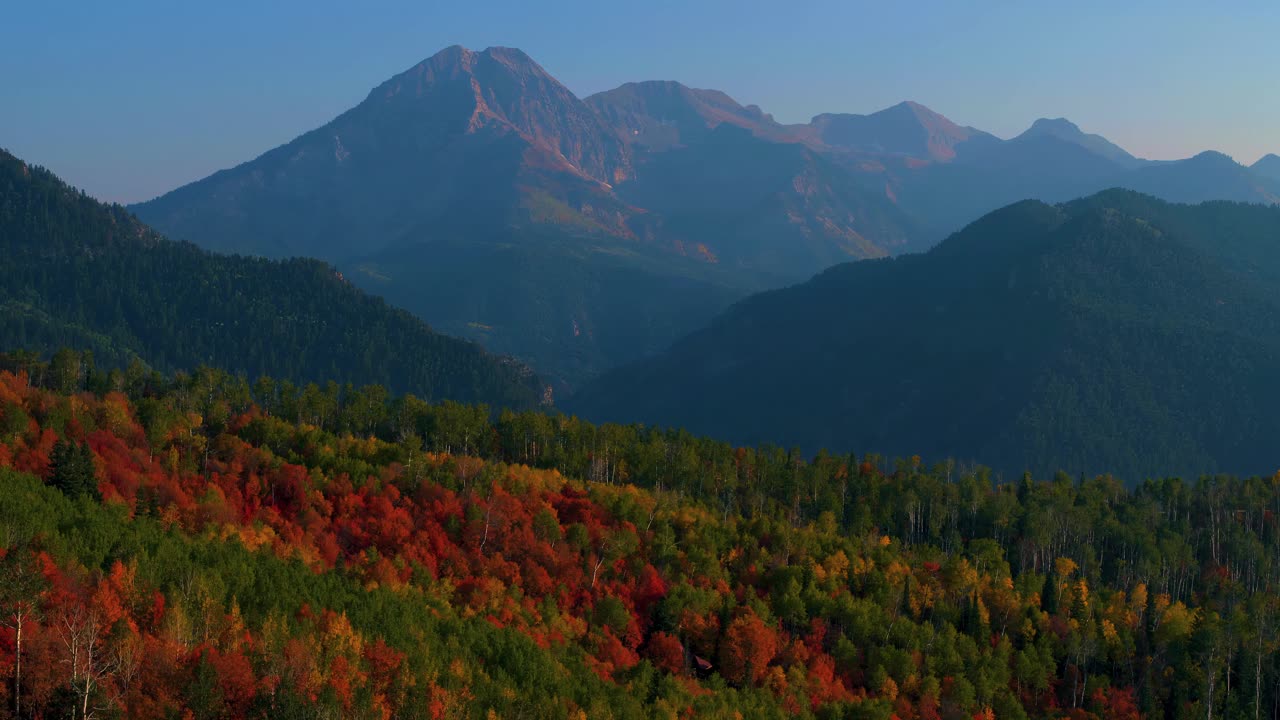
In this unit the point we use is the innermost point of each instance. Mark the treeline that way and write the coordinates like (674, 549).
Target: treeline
(319, 551)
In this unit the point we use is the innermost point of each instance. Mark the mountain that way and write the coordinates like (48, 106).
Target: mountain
(1055, 161)
(1268, 167)
(646, 209)
(463, 139)
(905, 129)
(1267, 170)
(779, 211)
(1207, 175)
(658, 115)
(568, 308)
(1116, 334)
(449, 182)
(1065, 130)
(948, 196)
(82, 274)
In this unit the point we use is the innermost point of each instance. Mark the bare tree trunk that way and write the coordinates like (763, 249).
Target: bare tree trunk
(488, 513)
(596, 570)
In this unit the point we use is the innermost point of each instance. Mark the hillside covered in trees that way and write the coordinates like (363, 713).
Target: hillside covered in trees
(76, 272)
(202, 546)
(1117, 333)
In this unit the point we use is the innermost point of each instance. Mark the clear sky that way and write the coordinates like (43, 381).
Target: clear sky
(128, 99)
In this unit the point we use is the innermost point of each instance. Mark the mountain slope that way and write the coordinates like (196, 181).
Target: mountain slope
(1119, 333)
(461, 139)
(451, 180)
(568, 308)
(1043, 167)
(776, 210)
(79, 273)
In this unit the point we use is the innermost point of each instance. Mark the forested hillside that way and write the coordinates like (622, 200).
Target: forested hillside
(1117, 333)
(198, 546)
(79, 273)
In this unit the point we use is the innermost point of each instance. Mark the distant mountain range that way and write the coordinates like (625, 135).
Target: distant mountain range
(77, 273)
(646, 209)
(1117, 333)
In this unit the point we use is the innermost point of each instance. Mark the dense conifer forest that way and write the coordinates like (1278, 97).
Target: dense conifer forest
(1116, 333)
(80, 273)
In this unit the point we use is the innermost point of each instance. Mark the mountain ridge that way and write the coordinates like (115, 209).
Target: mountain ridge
(473, 161)
(1064, 129)
(907, 128)
(659, 114)
(1038, 338)
(469, 158)
(176, 307)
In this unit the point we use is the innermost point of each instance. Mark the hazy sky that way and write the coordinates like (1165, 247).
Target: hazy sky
(129, 99)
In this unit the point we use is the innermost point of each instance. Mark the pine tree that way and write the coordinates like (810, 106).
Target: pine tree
(72, 469)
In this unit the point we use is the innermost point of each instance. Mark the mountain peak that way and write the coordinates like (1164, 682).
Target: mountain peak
(1067, 131)
(456, 62)
(915, 108)
(1213, 156)
(500, 89)
(1060, 124)
(460, 53)
(1268, 166)
(907, 128)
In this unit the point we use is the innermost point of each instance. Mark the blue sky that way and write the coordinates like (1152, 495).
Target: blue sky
(129, 99)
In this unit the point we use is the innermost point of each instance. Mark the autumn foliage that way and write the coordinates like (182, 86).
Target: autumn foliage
(229, 562)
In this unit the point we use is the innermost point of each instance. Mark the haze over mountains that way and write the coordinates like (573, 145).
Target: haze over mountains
(645, 209)
(1117, 333)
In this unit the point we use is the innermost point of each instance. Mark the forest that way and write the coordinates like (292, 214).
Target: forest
(206, 545)
(81, 273)
(1112, 334)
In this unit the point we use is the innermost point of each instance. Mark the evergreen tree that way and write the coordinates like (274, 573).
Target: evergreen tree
(72, 471)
